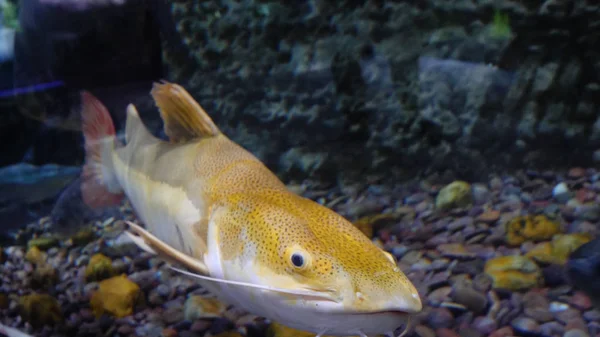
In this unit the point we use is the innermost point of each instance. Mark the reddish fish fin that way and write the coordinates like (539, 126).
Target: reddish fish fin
(99, 187)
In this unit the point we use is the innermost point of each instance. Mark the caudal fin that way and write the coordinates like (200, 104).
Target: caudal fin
(99, 186)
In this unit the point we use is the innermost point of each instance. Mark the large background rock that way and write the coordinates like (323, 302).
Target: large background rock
(394, 88)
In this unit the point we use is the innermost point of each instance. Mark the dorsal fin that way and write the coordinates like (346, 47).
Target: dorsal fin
(184, 118)
(135, 130)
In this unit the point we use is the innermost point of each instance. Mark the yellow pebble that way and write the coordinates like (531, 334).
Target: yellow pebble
(116, 296)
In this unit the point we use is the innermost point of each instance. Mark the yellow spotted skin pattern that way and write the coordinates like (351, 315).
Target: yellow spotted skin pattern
(269, 224)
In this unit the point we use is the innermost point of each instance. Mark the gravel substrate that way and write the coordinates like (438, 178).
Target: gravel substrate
(443, 252)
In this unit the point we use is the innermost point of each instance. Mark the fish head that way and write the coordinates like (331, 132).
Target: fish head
(327, 273)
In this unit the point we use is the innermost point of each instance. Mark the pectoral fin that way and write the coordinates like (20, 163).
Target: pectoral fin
(150, 243)
(389, 256)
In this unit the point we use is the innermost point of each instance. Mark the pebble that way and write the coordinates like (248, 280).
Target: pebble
(557, 307)
(200, 326)
(592, 315)
(485, 325)
(576, 172)
(580, 301)
(474, 300)
(589, 212)
(439, 295)
(560, 188)
(525, 325)
(423, 331)
(455, 250)
(461, 223)
(445, 332)
(480, 193)
(169, 332)
(163, 290)
(568, 315)
(541, 315)
(576, 323)
(502, 332)
(552, 329)
(489, 216)
(542, 194)
(594, 328)
(189, 334)
(576, 333)
(440, 318)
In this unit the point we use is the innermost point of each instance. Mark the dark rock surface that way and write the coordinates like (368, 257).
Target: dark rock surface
(396, 87)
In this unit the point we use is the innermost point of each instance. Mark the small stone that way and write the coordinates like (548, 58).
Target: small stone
(470, 298)
(594, 328)
(576, 333)
(125, 330)
(592, 315)
(116, 296)
(552, 329)
(556, 307)
(440, 318)
(580, 301)
(536, 228)
(40, 309)
(589, 212)
(169, 332)
(496, 183)
(567, 315)
(35, 255)
(503, 332)
(577, 323)
(455, 194)
(460, 223)
(485, 325)
(560, 188)
(489, 216)
(481, 194)
(423, 331)
(539, 314)
(455, 250)
(163, 290)
(513, 272)
(439, 295)
(99, 268)
(200, 326)
(198, 307)
(173, 315)
(186, 333)
(482, 282)
(445, 332)
(467, 331)
(576, 172)
(154, 298)
(43, 243)
(525, 325)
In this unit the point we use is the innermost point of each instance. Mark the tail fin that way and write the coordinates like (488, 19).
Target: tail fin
(99, 186)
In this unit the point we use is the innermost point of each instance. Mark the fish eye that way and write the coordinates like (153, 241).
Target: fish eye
(298, 260)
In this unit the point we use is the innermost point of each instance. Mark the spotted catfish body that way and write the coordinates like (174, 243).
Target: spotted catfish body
(213, 207)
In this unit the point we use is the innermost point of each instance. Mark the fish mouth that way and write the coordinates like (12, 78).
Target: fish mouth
(381, 312)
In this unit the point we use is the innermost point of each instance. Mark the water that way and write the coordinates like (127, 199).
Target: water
(451, 133)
